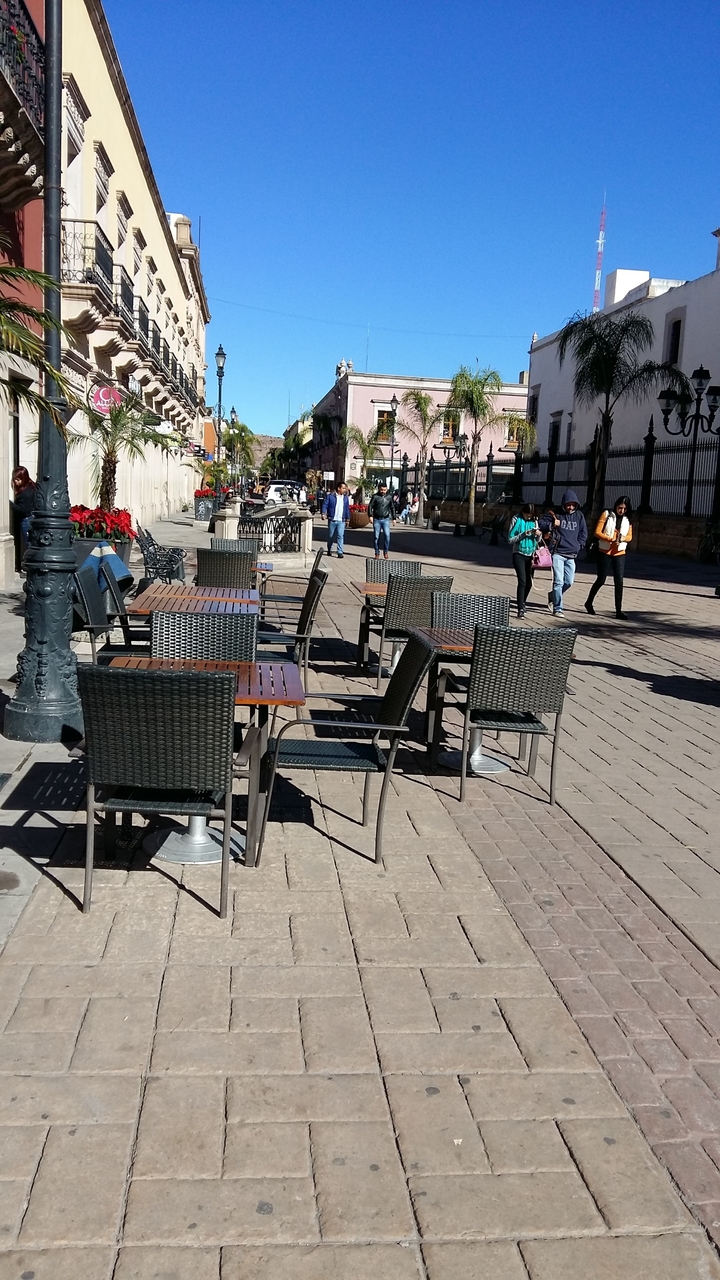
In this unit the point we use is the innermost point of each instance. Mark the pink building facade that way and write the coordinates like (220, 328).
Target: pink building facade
(365, 399)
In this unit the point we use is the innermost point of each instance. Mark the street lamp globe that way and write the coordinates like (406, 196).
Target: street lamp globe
(394, 405)
(220, 358)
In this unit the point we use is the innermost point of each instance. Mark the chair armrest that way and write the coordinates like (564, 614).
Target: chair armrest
(279, 637)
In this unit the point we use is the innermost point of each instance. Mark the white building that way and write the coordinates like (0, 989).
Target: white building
(686, 319)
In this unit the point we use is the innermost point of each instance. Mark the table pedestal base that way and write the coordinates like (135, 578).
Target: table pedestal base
(199, 844)
(477, 763)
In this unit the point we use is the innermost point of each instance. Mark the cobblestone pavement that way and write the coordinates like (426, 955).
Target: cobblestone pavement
(479, 1060)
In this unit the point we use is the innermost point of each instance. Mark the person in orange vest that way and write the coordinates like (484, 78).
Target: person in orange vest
(613, 533)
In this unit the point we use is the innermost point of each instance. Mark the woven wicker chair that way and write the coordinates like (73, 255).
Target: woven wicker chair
(235, 544)
(272, 597)
(224, 568)
(296, 644)
(380, 570)
(90, 614)
(515, 676)
(228, 637)
(134, 630)
(376, 717)
(457, 612)
(158, 742)
(408, 604)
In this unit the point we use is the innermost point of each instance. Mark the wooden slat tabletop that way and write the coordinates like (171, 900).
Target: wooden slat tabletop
(263, 566)
(371, 588)
(269, 684)
(182, 599)
(445, 640)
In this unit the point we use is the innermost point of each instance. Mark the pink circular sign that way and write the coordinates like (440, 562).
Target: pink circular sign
(103, 398)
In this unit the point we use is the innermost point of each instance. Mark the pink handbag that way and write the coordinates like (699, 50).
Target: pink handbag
(542, 558)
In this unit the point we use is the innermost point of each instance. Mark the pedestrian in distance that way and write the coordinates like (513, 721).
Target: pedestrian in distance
(336, 509)
(568, 535)
(524, 537)
(613, 533)
(22, 503)
(382, 514)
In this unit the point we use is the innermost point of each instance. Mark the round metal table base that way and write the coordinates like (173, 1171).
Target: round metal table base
(200, 844)
(477, 764)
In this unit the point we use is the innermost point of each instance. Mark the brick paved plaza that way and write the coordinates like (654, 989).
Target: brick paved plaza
(496, 1056)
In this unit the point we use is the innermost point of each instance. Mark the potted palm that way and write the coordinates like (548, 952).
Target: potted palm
(124, 431)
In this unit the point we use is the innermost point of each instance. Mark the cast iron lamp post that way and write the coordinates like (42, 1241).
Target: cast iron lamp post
(459, 451)
(220, 359)
(233, 424)
(690, 423)
(46, 706)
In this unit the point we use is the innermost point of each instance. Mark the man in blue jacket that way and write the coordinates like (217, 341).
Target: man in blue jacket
(336, 509)
(568, 535)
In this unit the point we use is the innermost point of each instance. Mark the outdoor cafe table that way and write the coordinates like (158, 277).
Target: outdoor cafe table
(260, 686)
(178, 598)
(371, 588)
(455, 646)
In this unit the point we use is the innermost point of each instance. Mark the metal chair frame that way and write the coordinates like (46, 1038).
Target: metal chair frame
(164, 564)
(351, 756)
(297, 643)
(158, 742)
(90, 611)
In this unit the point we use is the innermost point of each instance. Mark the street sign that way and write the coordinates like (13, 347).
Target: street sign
(104, 398)
(328, 475)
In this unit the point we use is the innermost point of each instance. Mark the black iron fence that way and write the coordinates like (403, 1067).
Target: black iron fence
(275, 533)
(661, 477)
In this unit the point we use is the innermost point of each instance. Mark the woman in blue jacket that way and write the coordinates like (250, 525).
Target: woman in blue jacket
(524, 537)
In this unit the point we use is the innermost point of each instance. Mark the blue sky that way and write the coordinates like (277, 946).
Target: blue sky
(434, 170)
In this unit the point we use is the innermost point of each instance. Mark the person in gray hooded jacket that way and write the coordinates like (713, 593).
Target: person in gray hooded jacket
(568, 535)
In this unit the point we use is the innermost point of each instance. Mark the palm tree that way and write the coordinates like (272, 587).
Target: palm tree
(18, 338)
(521, 431)
(607, 351)
(125, 431)
(422, 430)
(472, 395)
(364, 447)
(239, 441)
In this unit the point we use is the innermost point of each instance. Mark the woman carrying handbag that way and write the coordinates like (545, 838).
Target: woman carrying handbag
(613, 533)
(525, 538)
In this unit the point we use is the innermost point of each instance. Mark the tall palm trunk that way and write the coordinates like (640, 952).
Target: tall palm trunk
(596, 503)
(420, 514)
(474, 452)
(108, 481)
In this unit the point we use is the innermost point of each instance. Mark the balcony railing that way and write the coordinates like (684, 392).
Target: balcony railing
(164, 353)
(87, 256)
(124, 297)
(142, 322)
(22, 59)
(154, 339)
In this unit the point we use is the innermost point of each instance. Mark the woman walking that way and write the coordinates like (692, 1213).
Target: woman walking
(524, 537)
(613, 533)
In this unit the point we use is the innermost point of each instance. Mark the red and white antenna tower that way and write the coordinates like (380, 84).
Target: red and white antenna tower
(599, 261)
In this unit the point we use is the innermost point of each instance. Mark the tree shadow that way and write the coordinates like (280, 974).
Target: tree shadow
(705, 693)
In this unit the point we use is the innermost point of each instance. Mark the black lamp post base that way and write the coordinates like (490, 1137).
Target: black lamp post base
(38, 723)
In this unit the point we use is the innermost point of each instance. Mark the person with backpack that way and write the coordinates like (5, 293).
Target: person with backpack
(613, 533)
(524, 537)
(568, 535)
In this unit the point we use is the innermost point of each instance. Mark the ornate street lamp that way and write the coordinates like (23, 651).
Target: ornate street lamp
(46, 706)
(689, 424)
(220, 359)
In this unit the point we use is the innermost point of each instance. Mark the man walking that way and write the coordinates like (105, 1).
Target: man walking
(568, 535)
(336, 509)
(381, 512)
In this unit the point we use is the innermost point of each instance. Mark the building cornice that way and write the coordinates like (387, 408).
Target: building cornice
(105, 40)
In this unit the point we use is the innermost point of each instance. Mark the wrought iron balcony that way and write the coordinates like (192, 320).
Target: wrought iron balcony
(165, 354)
(155, 340)
(142, 322)
(87, 274)
(22, 96)
(124, 298)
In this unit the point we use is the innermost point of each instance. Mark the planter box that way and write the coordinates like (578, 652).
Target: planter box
(359, 519)
(84, 546)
